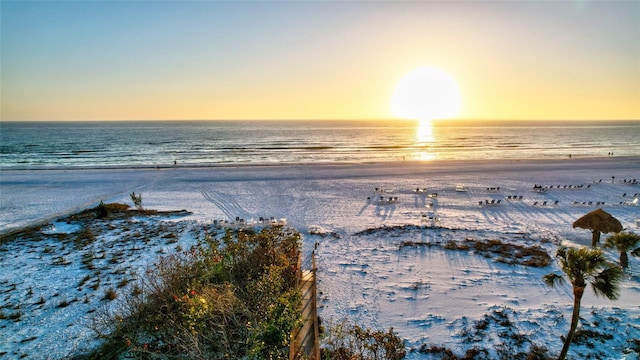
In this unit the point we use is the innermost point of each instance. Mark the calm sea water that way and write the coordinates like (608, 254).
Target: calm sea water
(99, 144)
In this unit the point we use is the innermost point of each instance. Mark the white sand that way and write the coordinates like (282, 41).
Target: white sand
(427, 295)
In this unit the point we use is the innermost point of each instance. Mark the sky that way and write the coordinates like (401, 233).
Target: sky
(166, 60)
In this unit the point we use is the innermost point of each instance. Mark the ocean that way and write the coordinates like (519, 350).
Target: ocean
(38, 145)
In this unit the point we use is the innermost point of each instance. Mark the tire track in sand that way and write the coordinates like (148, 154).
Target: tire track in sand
(226, 203)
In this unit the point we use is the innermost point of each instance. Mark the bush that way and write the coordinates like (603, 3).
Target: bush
(235, 297)
(137, 200)
(103, 210)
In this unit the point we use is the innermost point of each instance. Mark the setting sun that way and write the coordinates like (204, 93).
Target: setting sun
(426, 93)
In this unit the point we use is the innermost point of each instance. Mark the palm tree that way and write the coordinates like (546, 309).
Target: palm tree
(624, 241)
(582, 266)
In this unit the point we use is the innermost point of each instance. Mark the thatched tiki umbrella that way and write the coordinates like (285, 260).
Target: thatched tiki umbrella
(598, 221)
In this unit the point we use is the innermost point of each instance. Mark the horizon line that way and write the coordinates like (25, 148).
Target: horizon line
(456, 120)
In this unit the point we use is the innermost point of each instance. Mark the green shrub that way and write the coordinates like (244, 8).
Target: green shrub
(234, 297)
(101, 211)
(137, 200)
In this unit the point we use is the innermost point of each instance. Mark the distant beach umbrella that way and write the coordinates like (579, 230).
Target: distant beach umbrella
(598, 221)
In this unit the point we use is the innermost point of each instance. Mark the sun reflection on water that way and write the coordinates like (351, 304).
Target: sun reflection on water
(424, 138)
(424, 132)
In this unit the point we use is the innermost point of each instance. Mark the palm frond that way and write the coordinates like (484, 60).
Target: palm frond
(636, 252)
(552, 279)
(562, 251)
(563, 260)
(607, 281)
(582, 262)
(623, 241)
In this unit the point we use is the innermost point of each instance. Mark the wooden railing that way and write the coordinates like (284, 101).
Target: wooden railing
(316, 326)
(305, 341)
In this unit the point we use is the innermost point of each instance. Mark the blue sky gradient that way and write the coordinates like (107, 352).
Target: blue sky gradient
(84, 60)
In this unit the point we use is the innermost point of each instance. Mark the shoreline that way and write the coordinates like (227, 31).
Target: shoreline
(426, 163)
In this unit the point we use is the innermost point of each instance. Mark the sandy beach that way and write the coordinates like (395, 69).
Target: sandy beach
(29, 196)
(429, 296)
